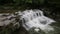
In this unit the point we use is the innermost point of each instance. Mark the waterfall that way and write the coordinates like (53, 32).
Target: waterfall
(36, 18)
(30, 19)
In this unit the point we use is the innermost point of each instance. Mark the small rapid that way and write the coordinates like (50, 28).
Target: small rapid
(36, 18)
(30, 20)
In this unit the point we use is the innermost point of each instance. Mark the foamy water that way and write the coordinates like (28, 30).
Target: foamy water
(30, 19)
(35, 18)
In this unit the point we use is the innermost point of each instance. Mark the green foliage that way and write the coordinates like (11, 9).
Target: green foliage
(22, 2)
(18, 2)
(55, 1)
(38, 1)
(29, 1)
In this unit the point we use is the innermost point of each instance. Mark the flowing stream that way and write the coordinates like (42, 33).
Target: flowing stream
(36, 19)
(31, 20)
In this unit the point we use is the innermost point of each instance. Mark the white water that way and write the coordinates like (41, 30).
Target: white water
(35, 18)
(30, 19)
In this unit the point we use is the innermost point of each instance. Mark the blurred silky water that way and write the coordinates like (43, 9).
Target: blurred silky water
(28, 22)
